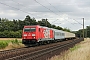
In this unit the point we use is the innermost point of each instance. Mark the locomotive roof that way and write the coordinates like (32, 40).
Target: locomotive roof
(37, 25)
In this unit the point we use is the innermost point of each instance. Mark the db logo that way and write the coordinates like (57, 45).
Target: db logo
(46, 33)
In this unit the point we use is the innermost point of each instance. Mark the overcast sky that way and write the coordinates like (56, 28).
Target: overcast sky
(64, 13)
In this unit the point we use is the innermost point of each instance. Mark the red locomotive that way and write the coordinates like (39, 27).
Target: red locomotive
(35, 33)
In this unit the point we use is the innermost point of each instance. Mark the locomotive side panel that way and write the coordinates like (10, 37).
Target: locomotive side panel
(46, 33)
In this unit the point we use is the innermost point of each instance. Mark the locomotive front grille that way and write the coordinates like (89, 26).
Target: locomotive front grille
(29, 41)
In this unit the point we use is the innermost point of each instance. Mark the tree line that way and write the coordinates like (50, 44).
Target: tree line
(13, 28)
(79, 33)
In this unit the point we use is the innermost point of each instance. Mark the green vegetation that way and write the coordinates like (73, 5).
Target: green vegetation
(13, 28)
(8, 41)
(10, 34)
(15, 41)
(74, 48)
(4, 43)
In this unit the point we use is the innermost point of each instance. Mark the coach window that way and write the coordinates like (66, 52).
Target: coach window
(60, 34)
(63, 34)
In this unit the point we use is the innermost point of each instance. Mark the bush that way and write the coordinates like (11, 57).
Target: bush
(74, 48)
(11, 34)
(15, 41)
(3, 45)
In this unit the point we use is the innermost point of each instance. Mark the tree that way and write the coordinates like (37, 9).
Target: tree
(28, 20)
(59, 28)
(0, 20)
(44, 22)
(53, 26)
(21, 24)
(66, 29)
(88, 31)
(34, 21)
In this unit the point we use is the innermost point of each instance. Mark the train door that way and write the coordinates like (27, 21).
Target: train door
(39, 34)
(51, 34)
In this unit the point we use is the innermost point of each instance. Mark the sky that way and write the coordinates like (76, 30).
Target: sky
(64, 13)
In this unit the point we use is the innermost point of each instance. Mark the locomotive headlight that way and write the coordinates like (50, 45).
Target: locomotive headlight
(33, 35)
(25, 35)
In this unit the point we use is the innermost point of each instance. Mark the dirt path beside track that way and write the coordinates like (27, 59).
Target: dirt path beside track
(10, 38)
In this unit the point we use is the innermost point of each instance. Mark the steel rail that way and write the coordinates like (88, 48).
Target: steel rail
(36, 54)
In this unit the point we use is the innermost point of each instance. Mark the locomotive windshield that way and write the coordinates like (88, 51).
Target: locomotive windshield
(29, 29)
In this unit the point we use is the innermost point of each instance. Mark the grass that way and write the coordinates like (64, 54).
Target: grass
(81, 51)
(6, 43)
(3, 44)
(15, 41)
(74, 48)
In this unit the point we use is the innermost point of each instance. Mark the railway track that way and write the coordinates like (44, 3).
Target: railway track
(35, 52)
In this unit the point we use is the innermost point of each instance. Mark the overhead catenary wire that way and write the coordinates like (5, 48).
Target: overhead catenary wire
(48, 9)
(52, 5)
(22, 5)
(16, 8)
(77, 22)
(59, 11)
(45, 7)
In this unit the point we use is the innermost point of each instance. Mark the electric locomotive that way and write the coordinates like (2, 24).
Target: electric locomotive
(35, 34)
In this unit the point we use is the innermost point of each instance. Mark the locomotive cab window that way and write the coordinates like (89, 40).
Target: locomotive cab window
(32, 29)
(29, 29)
